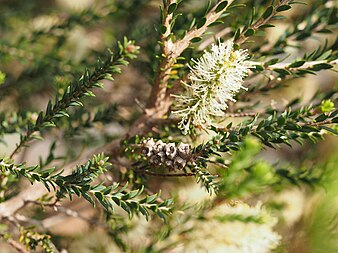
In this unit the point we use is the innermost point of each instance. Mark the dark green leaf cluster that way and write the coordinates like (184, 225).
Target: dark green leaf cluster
(279, 128)
(80, 183)
(290, 125)
(131, 201)
(297, 125)
(311, 176)
(33, 173)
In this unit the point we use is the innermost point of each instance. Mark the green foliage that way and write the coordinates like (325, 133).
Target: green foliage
(75, 91)
(2, 77)
(54, 67)
(245, 175)
(279, 128)
(327, 106)
(321, 232)
(206, 179)
(32, 240)
(80, 183)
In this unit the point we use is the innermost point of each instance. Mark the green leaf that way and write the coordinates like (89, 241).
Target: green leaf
(217, 22)
(88, 198)
(267, 12)
(2, 77)
(266, 26)
(172, 8)
(297, 64)
(329, 129)
(271, 62)
(282, 72)
(249, 32)
(320, 66)
(237, 34)
(196, 39)
(201, 23)
(259, 68)
(163, 29)
(326, 55)
(321, 118)
(99, 196)
(283, 8)
(221, 6)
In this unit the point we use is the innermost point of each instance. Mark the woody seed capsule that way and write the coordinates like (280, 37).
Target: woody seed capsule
(162, 156)
(148, 147)
(184, 150)
(155, 160)
(170, 150)
(169, 163)
(179, 163)
(158, 147)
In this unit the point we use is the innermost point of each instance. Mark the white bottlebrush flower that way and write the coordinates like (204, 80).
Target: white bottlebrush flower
(45, 23)
(214, 80)
(236, 228)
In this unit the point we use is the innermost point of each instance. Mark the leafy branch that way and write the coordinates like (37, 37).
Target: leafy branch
(320, 59)
(80, 184)
(103, 70)
(278, 128)
(262, 22)
(277, 71)
(172, 49)
(319, 18)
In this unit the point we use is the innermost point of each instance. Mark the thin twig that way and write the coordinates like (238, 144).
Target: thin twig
(224, 166)
(20, 248)
(306, 65)
(240, 114)
(165, 174)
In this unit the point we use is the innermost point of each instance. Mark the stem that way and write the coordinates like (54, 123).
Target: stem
(20, 248)
(166, 174)
(260, 22)
(306, 65)
(159, 101)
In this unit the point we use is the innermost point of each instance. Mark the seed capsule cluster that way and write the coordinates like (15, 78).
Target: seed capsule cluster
(170, 155)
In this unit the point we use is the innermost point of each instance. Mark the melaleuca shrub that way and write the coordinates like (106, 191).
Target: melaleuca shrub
(168, 126)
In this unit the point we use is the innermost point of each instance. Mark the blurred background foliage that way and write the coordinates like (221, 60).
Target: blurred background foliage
(45, 44)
